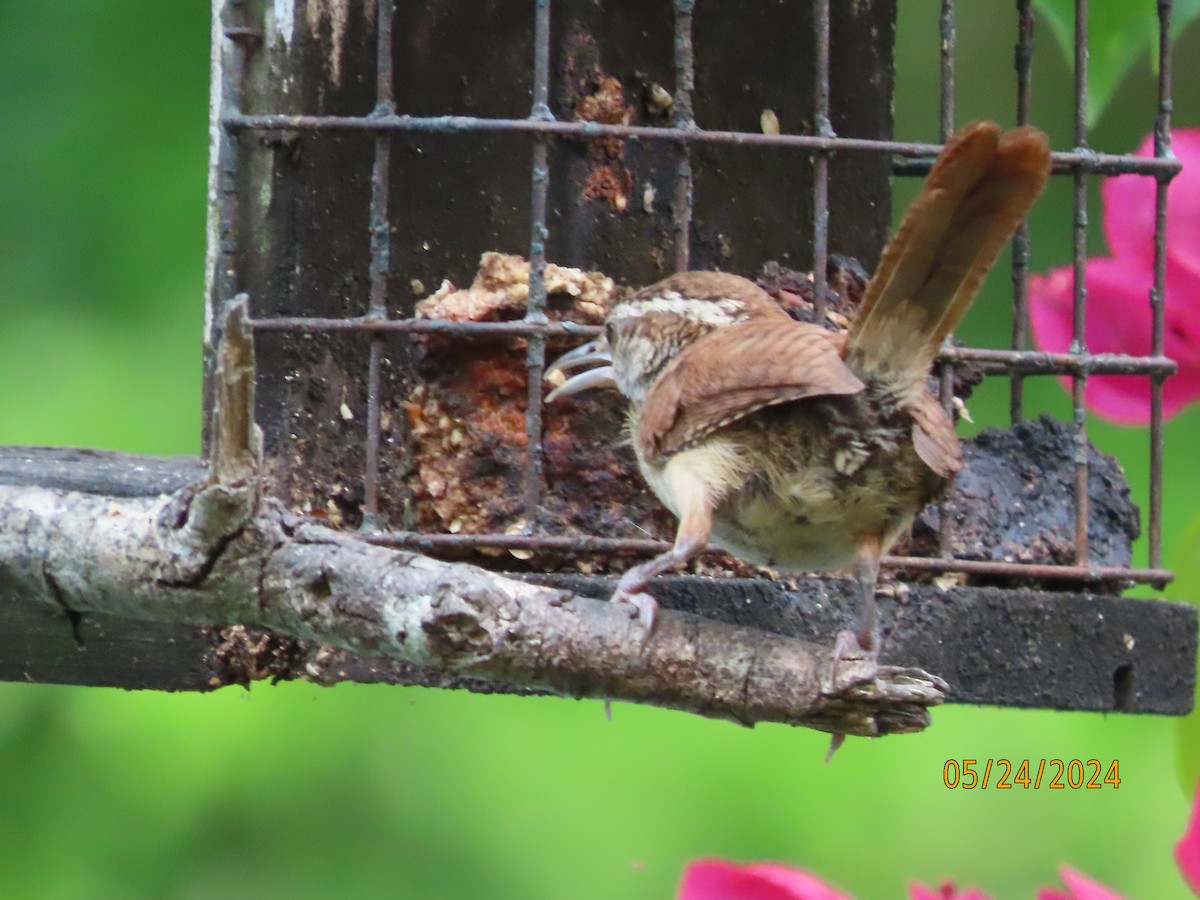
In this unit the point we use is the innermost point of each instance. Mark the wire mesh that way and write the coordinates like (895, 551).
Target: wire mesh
(1080, 162)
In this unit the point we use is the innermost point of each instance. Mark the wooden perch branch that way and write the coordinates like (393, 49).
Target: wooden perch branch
(142, 558)
(214, 553)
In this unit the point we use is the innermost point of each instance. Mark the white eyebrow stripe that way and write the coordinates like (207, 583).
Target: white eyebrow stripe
(708, 312)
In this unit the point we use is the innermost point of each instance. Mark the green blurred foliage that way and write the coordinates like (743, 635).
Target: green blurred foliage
(301, 791)
(104, 147)
(1120, 36)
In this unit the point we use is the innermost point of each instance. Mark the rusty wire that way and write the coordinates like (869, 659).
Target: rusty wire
(1081, 162)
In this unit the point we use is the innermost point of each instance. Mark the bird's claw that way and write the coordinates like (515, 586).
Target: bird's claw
(835, 743)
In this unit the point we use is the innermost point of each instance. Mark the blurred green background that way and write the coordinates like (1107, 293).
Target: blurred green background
(301, 791)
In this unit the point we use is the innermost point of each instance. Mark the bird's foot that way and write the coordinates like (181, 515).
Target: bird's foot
(853, 663)
(855, 659)
(643, 607)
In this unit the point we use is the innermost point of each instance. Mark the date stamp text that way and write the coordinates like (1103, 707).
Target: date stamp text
(1031, 774)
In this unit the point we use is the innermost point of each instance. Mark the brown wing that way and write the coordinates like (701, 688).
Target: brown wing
(933, 436)
(734, 371)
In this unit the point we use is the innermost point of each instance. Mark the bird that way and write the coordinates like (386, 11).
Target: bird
(794, 447)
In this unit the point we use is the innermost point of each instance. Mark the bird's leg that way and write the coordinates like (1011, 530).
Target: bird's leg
(866, 573)
(862, 644)
(695, 525)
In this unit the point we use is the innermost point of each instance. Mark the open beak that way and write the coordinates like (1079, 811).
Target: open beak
(589, 354)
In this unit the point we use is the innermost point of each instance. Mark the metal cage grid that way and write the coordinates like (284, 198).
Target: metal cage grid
(1017, 362)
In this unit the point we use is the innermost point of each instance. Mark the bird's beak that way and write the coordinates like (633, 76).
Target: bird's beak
(589, 354)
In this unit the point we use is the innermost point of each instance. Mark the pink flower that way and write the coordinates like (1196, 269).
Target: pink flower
(715, 879)
(1187, 851)
(1079, 887)
(945, 891)
(1118, 288)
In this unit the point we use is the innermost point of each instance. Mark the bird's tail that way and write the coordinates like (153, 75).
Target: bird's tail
(978, 191)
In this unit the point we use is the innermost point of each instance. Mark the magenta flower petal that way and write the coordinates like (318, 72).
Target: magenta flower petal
(1187, 851)
(1079, 887)
(1129, 208)
(1117, 321)
(945, 891)
(1183, 306)
(716, 879)
(1118, 286)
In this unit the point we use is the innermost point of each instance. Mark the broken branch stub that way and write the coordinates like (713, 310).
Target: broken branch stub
(237, 448)
(203, 518)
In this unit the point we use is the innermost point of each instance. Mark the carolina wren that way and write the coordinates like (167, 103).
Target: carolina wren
(794, 447)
